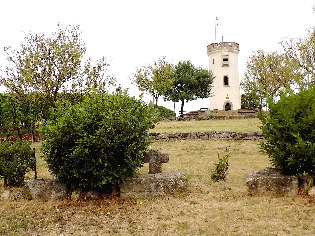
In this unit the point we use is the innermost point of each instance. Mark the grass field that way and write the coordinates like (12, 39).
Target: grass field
(206, 208)
(237, 125)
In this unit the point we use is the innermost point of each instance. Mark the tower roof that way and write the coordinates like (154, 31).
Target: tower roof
(223, 46)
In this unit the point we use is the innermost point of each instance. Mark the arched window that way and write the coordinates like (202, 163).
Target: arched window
(226, 80)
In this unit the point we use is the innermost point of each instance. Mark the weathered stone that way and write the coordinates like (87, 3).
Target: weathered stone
(93, 195)
(155, 159)
(46, 189)
(153, 185)
(311, 192)
(271, 181)
(20, 194)
(77, 194)
(5, 194)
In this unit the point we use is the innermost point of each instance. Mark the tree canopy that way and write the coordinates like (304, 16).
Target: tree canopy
(269, 74)
(155, 79)
(190, 83)
(47, 65)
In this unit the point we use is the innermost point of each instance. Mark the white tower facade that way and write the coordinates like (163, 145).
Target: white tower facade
(223, 62)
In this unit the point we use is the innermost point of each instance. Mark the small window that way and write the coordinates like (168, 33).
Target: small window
(213, 61)
(226, 80)
(225, 61)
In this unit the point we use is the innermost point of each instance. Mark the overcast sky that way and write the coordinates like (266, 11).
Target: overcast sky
(134, 33)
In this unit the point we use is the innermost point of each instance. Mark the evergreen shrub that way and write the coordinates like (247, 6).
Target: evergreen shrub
(165, 112)
(16, 158)
(289, 131)
(98, 142)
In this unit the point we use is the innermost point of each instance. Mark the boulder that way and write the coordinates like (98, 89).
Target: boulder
(150, 185)
(5, 194)
(311, 192)
(271, 181)
(46, 189)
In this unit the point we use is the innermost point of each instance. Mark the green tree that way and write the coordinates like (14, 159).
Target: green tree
(156, 80)
(190, 83)
(300, 54)
(46, 65)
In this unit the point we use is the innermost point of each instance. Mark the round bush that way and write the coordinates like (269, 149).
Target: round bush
(99, 142)
(289, 131)
(165, 112)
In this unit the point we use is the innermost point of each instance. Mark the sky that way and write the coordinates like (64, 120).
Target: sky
(132, 34)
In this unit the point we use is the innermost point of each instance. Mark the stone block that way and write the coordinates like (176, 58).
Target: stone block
(151, 185)
(270, 181)
(155, 159)
(46, 189)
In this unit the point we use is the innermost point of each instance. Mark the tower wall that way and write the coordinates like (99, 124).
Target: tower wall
(223, 61)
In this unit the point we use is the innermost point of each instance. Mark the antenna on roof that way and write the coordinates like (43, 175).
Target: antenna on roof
(215, 29)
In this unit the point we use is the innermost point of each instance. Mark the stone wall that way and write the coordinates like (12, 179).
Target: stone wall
(209, 135)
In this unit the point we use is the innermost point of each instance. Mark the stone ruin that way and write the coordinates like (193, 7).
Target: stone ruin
(271, 181)
(153, 184)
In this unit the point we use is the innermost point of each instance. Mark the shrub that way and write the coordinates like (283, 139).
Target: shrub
(289, 131)
(98, 142)
(220, 171)
(165, 112)
(15, 160)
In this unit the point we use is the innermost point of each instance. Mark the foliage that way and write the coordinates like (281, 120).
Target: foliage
(190, 83)
(165, 112)
(289, 131)
(221, 168)
(301, 54)
(15, 160)
(98, 142)
(46, 65)
(156, 79)
(270, 74)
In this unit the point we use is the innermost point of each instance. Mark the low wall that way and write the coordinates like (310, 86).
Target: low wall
(210, 135)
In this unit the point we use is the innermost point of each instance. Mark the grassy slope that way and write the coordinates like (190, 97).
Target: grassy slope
(239, 125)
(207, 208)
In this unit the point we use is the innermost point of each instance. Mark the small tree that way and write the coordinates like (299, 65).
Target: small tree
(190, 83)
(289, 131)
(98, 142)
(46, 65)
(155, 80)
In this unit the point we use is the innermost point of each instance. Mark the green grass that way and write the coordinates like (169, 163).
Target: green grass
(237, 125)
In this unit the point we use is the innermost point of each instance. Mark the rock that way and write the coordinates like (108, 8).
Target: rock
(150, 185)
(155, 159)
(77, 194)
(93, 195)
(5, 194)
(46, 189)
(271, 181)
(311, 192)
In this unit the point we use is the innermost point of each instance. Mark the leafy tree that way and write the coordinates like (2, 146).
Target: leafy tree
(190, 83)
(46, 65)
(301, 55)
(155, 80)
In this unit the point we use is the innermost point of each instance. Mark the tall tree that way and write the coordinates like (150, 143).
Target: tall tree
(190, 83)
(155, 79)
(46, 65)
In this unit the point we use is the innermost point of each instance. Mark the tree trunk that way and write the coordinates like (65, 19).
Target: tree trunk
(182, 108)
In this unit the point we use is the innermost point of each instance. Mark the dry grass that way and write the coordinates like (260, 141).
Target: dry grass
(207, 208)
(239, 125)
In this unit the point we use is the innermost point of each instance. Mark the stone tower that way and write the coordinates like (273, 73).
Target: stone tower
(223, 61)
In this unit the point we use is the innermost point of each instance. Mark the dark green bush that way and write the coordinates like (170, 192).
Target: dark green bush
(289, 131)
(15, 160)
(98, 142)
(165, 112)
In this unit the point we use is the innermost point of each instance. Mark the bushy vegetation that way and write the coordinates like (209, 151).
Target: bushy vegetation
(15, 160)
(98, 142)
(221, 168)
(289, 131)
(165, 112)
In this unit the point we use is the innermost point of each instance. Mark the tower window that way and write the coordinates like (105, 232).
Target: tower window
(225, 61)
(226, 80)
(213, 61)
